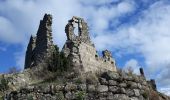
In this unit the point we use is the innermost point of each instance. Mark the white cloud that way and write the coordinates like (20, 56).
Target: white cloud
(20, 59)
(126, 6)
(165, 90)
(8, 32)
(134, 65)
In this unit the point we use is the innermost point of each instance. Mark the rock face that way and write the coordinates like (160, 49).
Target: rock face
(41, 46)
(81, 51)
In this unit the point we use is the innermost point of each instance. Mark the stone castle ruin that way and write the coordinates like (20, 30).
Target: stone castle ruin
(41, 46)
(79, 49)
(89, 76)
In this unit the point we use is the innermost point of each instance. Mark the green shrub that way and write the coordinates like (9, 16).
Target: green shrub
(60, 96)
(91, 78)
(145, 95)
(30, 97)
(58, 61)
(3, 84)
(80, 95)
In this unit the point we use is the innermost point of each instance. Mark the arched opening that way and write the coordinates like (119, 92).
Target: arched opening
(76, 29)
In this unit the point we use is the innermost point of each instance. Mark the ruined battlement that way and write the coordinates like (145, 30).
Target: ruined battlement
(82, 29)
(79, 49)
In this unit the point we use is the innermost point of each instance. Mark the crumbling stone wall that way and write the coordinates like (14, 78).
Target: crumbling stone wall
(81, 51)
(83, 32)
(40, 47)
(44, 43)
(29, 53)
(108, 86)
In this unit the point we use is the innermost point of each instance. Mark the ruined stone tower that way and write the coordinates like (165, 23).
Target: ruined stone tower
(44, 41)
(29, 52)
(81, 51)
(40, 46)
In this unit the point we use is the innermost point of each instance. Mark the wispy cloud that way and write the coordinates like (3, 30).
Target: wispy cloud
(133, 65)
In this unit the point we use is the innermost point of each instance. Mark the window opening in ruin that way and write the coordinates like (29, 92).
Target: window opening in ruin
(76, 29)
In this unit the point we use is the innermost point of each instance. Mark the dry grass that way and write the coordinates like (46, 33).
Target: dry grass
(154, 95)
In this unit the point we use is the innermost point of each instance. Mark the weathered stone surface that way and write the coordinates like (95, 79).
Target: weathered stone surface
(69, 95)
(74, 91)
(110, 75)
(81, 50)
(41, 46)
(110, 96)
(136, 91)
(91, 88)
(123, 85)
(134, 98)
(122, 90)
(70, 87)
(130, 92)
(58, 88)
(102, 88)
(113, 83)
(120, 97)
(29, 52)
(114, 89)
(103, 81)
(82, 87)
(132, 84)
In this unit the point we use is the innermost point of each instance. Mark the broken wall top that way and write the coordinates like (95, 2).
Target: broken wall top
(83, 31)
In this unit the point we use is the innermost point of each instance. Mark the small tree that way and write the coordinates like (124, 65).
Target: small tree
(63, 62)
(53, 61)
(12, 70)
(3, 84)
(58, 61)
(130, 70)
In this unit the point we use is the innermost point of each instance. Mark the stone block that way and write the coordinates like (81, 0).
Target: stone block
(114, 89)
(112, 83)
(102, 88)
(91, 88)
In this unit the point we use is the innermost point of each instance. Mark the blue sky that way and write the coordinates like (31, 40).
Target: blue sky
(136, 31)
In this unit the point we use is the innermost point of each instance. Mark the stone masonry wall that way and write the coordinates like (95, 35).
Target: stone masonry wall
(41, 46)
(91, 61)
(81, 51)
(29, 52)
(109, 86)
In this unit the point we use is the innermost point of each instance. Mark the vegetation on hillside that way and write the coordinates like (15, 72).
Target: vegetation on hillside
(58, 61)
